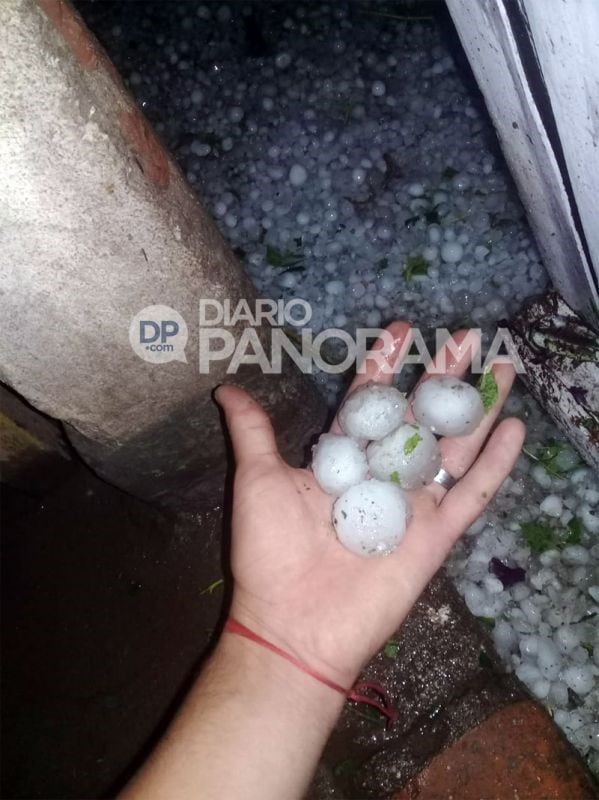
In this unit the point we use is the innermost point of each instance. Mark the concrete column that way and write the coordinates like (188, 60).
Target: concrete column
(96, 223)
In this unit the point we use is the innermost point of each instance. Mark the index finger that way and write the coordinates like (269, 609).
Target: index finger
(390, 349)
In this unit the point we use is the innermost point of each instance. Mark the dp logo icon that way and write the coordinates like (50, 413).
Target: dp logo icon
(158, 334)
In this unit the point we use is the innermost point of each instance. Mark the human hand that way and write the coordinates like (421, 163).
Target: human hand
(295, 585)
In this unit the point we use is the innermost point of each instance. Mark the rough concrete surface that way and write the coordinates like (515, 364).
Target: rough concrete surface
(96, 223)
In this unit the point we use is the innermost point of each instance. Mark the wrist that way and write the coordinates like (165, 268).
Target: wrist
(273, 684)
(318, 647)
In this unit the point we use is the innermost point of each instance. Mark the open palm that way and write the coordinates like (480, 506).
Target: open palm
(295, 584)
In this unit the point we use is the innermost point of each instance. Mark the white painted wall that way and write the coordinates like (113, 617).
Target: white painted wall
(566, 39)
(565, 34)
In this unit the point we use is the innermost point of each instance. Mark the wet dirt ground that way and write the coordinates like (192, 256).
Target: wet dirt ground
(104, 624)
(107, 614)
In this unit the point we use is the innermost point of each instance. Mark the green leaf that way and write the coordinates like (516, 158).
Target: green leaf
(394, 477)
(574, 531)
(284, 259)
(212, 587)
(557, 458)
(391, 649)
(371, 714)
(415, 265)
(488, 621)
(488, 390)
(412, 443)
(449, 173)
(539, 536)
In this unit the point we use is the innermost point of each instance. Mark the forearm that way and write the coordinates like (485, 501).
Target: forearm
(253, 726)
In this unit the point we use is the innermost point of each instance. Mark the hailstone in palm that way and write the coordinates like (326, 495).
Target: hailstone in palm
(448, 406)
(409, 456)
(371, 518)
(372, 411)
(338, 462)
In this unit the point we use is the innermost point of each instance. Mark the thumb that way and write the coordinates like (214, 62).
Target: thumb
(249, 426)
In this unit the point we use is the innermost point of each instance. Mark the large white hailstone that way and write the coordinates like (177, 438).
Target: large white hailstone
(448, 406)
(297, 175)
(338, 463)
(409, 456)
(372, 411)
(579, 678)
(451, 252)
(552, 505)
(371, 517)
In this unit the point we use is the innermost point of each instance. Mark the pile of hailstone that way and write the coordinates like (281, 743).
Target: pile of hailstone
(371, 467)
(529, 569)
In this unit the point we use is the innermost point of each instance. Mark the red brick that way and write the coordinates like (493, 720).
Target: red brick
(516, 754)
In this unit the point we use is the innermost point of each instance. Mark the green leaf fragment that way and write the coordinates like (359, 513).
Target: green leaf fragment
(391, 649)
(371, 714)
(488, 621)
(416, 265)
(449, 173)
(284, 259)
(412, 443)
(539, 536)
(212, 587)
(394, 477)
(574, 531)
(488, 389)
(557, 458)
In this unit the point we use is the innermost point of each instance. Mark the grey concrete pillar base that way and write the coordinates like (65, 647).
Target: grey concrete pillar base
(181, 462)
(96, 224)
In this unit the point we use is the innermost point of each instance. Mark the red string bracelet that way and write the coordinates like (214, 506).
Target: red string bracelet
(356, 693)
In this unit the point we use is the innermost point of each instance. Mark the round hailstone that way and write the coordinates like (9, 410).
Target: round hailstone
(451, 252)
(448, 406)
(297, 175)
(409, 456)
(371, 518)
(372, 411)
(338, 463)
